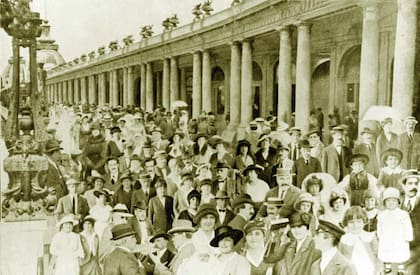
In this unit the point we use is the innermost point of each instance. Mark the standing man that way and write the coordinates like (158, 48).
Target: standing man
(161, 208)
(72, 203)
(306, 164)
(295, 134)
(332, 261)
(352, 121)
(336, 156)
(121, 260)
(367, 147)
(409, 144)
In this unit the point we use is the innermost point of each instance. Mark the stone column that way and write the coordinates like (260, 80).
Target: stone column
(149, 87)
(130, 85)
(102, 89)
(206, 97)
(303, 76)
(125, 87)
(76, 89)
(60, 92)
(284, 96)
(196, 97)
(235, 85)
(83, 90)
(404, 57)
(246, 86)
(174, 86)
(183, 87)
(158, 76)
(113, 88)
(143, 92)
(70, 91)
(369, 60)
(166, 94)
(65, 92)
(92, 89)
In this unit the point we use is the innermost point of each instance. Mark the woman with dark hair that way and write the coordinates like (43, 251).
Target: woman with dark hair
(244, 156)
(201, 150)
(90, 243)
(194, 199)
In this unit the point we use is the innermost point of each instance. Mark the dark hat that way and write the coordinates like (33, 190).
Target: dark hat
(221, 195)
(274, 201)
(140, 205)
(241, 200)
(254, 225)
(392, 152)
(386, 121)
(205, 209)
(226, 231)
(88, 218)
(220, 165)
(299, 219)
(199, 135)
(95, 126)
(214, 140)
(295, 130)
(159, 235)
(52, 145)
(336, 196)
(254, 167)
(95, 175)
(194, 194)
(115, 129)
(331, 228)
(409, 174)
(97, 193)
(160, 154)
(304, 143)
(369, 194)
(281, 147)
(241, 143)
(353, 111)
(205, 182)
(358, 157)
(179, 133)
(160, 183)
(366, 131)
(181, 226)
(187, 175)
(312, 131)
(121, 231)
(338, 129)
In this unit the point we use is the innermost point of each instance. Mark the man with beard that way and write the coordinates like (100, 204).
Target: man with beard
(410, 203)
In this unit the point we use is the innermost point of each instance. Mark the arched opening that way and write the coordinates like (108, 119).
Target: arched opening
(218, 90)
(189, 84)
(349, 81)
(257, 78)
(137, 89)
(107, 87)
(320, 86)
(276, 88)
(120, 87)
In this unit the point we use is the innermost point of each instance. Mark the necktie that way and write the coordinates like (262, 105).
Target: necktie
(222, 210)
(74, 205)
(409, 206)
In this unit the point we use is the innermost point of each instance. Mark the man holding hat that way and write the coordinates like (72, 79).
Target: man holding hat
(122, 260)
(409, 144)
(53, 178)
(72, 203)
(332, 262)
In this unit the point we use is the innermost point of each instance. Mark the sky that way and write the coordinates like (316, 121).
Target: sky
(81, 26)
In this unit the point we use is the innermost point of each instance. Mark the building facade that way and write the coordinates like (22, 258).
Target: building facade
(260, 57)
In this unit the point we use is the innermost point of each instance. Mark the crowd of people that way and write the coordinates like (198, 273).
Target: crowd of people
(159, 193)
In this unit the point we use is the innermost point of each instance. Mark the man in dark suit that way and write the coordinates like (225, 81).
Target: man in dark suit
(161, 255)
(304, 165)
(336, 156)
(53, 178)
(410, 203)
(112, 175)
(121, 260)
(158, 143)
(285, 191)
(225, 215)
(368, 148)
(409, 144)
(295, 134)
(332, 262)
(244, 209)
(353, 123)
(145, 192)
(140, 223)
(161, 208)
(72, 203)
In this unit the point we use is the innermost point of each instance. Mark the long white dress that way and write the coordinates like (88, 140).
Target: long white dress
(102, 215)
(67, 247)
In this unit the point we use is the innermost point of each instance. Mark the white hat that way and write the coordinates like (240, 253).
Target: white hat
(122, 210)
(67, 218)
(390, 193)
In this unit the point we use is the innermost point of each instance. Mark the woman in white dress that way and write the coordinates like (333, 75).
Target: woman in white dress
(66, 248)
(101, 212)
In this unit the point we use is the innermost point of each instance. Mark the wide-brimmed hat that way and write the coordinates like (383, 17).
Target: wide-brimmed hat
(303, 197)
(160, 235)
(262, 138)
(391, 152)
(179, 226)
(221, 165)
(274, 201)
(254, 225)
(125, 176)
(299, 219)
(97, 193)
(410, 118)
(331, 228)
(226, 231)
(255, 167)
(241, 200)
(283, 172)
(241, 143)
(194, 194)
(115, 129)
(122, 210)
(140, 205)
(358, 157)
(214, 140)
(295, 130)
(391, 193)
(52, 145)
(410, 174)
(121, 231)
(68, 218)
(205, 209)
(221, 195)
(304, 143)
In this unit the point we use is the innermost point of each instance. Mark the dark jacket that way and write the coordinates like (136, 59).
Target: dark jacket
(121, 262)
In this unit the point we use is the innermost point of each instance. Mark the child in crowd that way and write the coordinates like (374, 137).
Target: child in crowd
(371, 208)
(394, 232)
(390, 175)
(358, 245)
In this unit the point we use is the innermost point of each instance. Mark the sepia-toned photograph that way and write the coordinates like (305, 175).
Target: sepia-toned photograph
(209, 137)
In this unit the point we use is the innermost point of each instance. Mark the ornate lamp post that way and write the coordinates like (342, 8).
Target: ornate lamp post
(24, 26)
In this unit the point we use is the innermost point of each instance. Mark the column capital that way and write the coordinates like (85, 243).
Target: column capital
(282, 28)
(196, 51)
(370, 9)
(235, 43)
(303, 23)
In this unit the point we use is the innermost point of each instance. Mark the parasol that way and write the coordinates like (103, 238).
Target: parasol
(377, 113)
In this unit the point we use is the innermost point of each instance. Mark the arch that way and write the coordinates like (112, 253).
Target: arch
(218, 90)
(137, 90)
(320, 85)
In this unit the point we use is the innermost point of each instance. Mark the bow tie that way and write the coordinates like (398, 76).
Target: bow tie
(222, 210)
